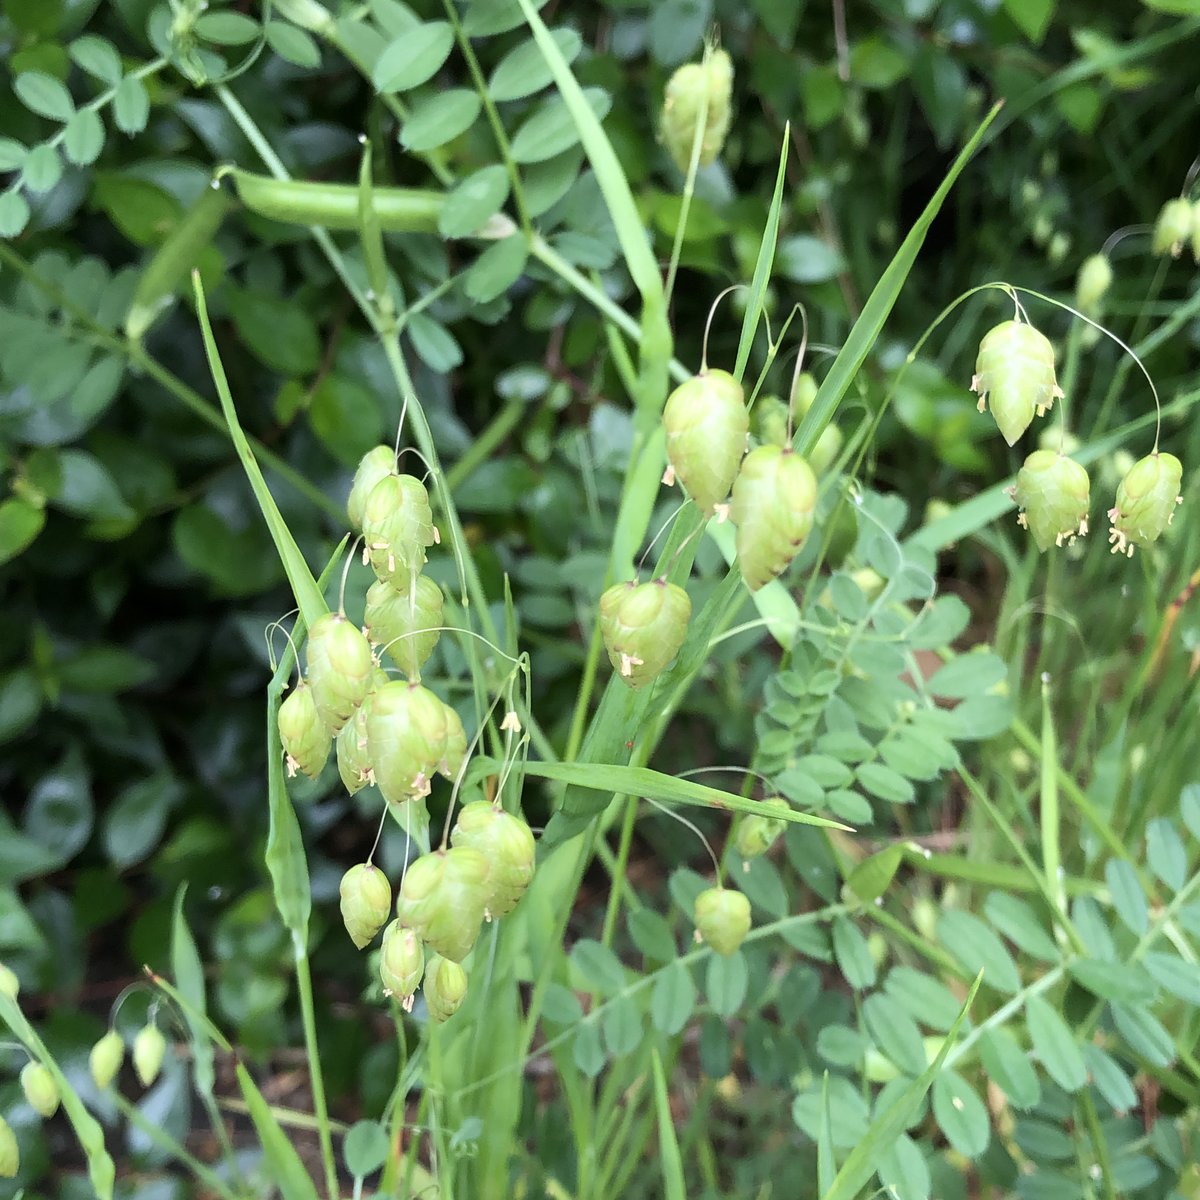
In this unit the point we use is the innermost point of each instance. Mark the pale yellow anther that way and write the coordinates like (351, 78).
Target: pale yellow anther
(511, 723)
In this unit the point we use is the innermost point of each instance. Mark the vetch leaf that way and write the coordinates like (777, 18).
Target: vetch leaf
(978, 948)
(652, 934)
(98, 57)
(472, 201)
(44, 95)
(1144, 1033)
(550, 128)
(1055, 1045)
(524, 69)
(439, 118)
(1007, 1065)
(1165, 853)
(853, 955)
(1127, 896)
(1021, 925)
(414, 57)
(365, 1148)
(673, 999)
(895, 1033)
(1180, 978)
(924, 998)
(131, 105)
(587, 1050)
(598, 966)
(83, 138)
(726, 981)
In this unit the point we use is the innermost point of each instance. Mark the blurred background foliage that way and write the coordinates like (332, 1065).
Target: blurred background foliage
(137, 577)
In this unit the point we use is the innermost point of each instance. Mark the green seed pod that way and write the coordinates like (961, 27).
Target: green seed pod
(409, 736)
(644, 625)
(1014, 372)
(394, 617)
(401, 963)
(774, 497)
(366, 901)
(444, 897)
(353, 747)
(40, 1089)
(507, 843)
(1174, 227)
(375, 465)
(149, 1050)
(756, 833)
(445, 989)
(722, 919)
(706, 423)
(769, 421)
(10, 985)
(340, 669)
(397, 525)
(683, 101)
(1092, 284)
(1053, 493)
(305, 739)
(825, 452)
(10, 1153)
(1146, 500)
(804, 392)
(106, 1058)
(455, 752)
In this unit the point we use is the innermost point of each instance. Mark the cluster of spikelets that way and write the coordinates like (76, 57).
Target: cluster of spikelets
(444, 899)
(107, 1056)
(1014, 376)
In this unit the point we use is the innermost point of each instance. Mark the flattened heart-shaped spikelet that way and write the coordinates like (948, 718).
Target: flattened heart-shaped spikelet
(774, 497)
(397, 526)
(643, 625)
(1174, 227)
(407, 732)
(304, 736)
(443, 897)
(340, 666)
(401, 963)
(407, 620)
(353, 747)
(1092, 284)
(722, 918)
(1053, 492)
(506, 841)
(1014, 374)
(706, 423)
(372, 467)
(1146, 500)
(757, 832)
(682, 104)
(454, 751)
(366, 900)
(445, 988)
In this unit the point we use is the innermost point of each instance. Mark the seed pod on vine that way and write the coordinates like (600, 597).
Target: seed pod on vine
(683, 101)
(1053, 493)
(722, 919)
(397, 526)
(401, 963)
(353, 746)
(1014, 374)
(409, 735)
(366, 901)
(706, 423)
(506, 841)
(445, 988)
(774, 497)
(757, 832)
(1092, 284)
(304, 736)
(1146, 500)
(443, 898)
(643, 625)
(105, 1059)
(340, 668)
(149, 1050)
(1174, 227)
(41, 1092)
(373, 466)
(407, 620)
(10, 1152)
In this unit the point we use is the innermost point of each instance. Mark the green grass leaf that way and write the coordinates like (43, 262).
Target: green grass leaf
(670, 1162)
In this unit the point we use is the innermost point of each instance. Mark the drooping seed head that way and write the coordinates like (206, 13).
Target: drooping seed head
(706, 423)
(682, 106)
(106, 1058)
(1092, 284)
(774, 497)
(149, 1050)
(397, 526)
(366, 901)
(1175, 227)
(757, 832)
(506, 841)
(444, 898)
(353, 747)
(1014, 374)
(1053, 493)
(401, 963)
(304, 736)
(408, 735)
(722, 918)
(1146, 500)
(41, 1092)
(445, 988)
(406, 620)
(643, 625)
(10, 985)
(372, 467)
(10, 1152)
(340, 669)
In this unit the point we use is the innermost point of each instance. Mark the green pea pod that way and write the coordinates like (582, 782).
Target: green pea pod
(774, 497)
(174, 259)
(1146, 500)
(643, 626)
(706, 422)
(371, 235)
